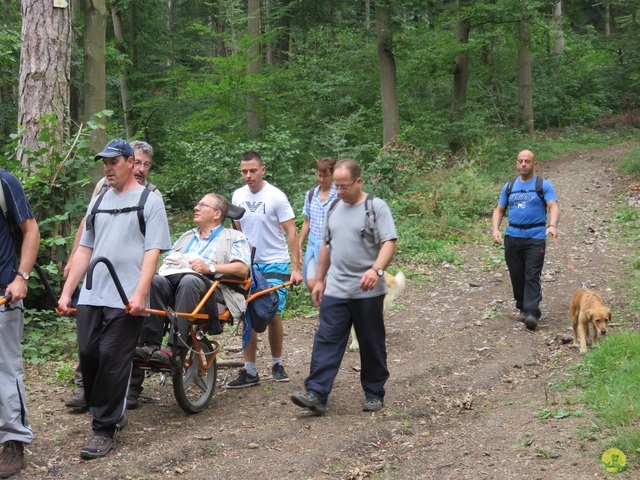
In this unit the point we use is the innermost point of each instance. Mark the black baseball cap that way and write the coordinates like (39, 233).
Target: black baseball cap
(115, 148)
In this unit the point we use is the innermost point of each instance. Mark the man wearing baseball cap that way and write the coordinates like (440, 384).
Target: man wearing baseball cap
(107, 331)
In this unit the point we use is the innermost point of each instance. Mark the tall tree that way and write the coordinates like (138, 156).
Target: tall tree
(525, 86)
(558, 36)
(460, 74)
(95, 99)
(45, 61)
(253, 69)
(124, 79)
(387, 65)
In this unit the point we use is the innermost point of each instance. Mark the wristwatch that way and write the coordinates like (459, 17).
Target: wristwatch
(24, 275)
(212, 268)
(379, 271)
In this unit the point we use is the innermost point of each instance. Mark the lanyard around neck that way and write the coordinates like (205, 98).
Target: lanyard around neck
(214, 234)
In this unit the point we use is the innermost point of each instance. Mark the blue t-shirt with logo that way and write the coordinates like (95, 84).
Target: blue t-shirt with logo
(19, 211)
(526, 207)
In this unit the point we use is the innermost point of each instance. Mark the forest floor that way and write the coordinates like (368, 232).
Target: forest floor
(469, 392)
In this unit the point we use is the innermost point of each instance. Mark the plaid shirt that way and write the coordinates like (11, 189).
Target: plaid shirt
(206, 248)
(317, 210)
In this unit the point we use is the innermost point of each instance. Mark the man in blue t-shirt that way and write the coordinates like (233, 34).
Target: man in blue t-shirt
(525, 238)
(16, 213)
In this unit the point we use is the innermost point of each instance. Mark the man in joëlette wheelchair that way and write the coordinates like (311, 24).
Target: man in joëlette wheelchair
(209, 249)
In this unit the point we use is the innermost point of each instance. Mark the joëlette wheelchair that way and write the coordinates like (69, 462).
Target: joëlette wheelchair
(193, 367)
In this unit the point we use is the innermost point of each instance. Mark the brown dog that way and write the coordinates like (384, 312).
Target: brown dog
(396, 287)
(586, 308)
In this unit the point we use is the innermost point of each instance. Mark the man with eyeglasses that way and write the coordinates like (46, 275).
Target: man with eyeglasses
(107, 331)
(268, 215)
(352, 261)
(207, 249)
(143, 155)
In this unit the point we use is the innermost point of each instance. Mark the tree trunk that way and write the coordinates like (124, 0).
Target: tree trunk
(524, 76)
(133, 34)
(253, 69)
(43, 87)
(387, 63)
(367, 15)
(124, 80)
(95, 99)
(460, 78)
(607, 19)
(558, 44)
(170, 60)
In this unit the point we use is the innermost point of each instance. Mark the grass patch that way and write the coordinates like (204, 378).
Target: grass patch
(609, 376)
(630, 164)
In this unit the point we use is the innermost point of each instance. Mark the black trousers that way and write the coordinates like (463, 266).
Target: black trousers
(525, 259)
(106, 341)
(330, 342)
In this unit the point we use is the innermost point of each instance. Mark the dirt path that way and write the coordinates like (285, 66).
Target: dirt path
(466, 380)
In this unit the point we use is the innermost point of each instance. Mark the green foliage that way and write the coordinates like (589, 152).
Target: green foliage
(47, 337)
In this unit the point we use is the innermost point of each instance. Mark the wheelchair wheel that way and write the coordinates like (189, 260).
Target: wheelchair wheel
(193, 387)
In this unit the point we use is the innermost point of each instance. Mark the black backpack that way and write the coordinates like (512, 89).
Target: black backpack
(91, 218)
(539, 192)
(371, 218)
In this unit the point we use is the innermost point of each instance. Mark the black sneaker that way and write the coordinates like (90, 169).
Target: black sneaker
(98, 446)
(372, 404)
(278, 373)
(310, 401)
(531, 322)
(244, 380)
(77, 399)
(143, 353)
(132, 401)
(520, 317)
(162, 357)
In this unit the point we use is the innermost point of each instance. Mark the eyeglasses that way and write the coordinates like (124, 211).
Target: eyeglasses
(319, 175)
(346, 187)
(204, 205)
(145, 165)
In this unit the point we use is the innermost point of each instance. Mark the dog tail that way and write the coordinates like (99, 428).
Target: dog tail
(400, 285)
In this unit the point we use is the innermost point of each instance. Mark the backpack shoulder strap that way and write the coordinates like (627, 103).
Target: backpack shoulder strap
(332, 207)
(3, 202)
(540, 192)
(90, 223)
(371, 217)
(150, 186)
(310, 194)
(510, 187)
(91, 218)
(143, 199)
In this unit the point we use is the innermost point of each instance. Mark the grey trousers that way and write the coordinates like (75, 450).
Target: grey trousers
(14, 424)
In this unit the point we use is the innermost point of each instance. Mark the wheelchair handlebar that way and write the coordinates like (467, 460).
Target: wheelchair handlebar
(114, 277)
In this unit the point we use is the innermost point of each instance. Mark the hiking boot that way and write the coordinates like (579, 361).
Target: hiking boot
(372, 404)
(11, 458)
(531, 322)
(310, 401)
(143, 353)
(76, 400)
(162, 357)
(244, 380)
(98, 446)
(520, 317)
(132, 401)
(278, 373)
